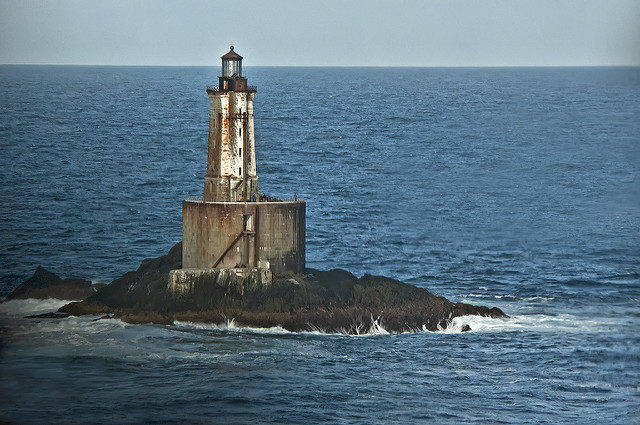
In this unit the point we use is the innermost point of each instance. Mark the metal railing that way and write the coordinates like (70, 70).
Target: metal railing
(194, 198)
(217, 88)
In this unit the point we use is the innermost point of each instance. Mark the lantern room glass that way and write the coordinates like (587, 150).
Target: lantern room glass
(231, 67)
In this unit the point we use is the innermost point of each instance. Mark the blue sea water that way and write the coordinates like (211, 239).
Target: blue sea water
(516, 188)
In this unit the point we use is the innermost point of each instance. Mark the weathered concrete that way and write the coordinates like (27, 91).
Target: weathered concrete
(264, 232)
(231, 158)
(205, 287)
(185, 281)
(220, 189)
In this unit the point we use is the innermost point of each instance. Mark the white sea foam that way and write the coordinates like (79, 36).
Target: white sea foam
(506, 297)
(376, 328)
(477, 324)
(531, 323)
(31, 306)
(77, 329)
(230, 325)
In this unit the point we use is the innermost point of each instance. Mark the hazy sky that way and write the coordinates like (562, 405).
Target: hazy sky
(356, 32)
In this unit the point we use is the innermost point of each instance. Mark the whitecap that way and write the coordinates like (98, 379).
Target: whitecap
(531, 322)
(230, 325)
(31, 306)
(376, 328)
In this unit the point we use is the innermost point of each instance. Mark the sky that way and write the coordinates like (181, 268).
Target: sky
(322, 33)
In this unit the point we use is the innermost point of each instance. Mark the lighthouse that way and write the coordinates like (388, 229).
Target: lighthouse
(231, 160)
(233, 226)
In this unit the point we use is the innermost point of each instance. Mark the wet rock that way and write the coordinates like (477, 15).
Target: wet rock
(466, 328)
(44, 284)
(106, 316)
(331, 301)
(50, 315)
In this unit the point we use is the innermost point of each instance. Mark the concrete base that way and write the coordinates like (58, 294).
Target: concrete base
(244, 234)
(207, 286)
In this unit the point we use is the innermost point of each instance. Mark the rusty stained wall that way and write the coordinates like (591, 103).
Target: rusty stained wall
(209, 228)
(226, 134)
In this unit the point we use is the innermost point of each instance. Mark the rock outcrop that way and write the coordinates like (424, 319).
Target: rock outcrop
(330, 301)
(44, 284)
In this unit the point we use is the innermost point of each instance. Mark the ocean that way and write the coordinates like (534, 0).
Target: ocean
(509, 187)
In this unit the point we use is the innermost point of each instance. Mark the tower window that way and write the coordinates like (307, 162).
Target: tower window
(240, 171)
(240, 151)
(248, 222)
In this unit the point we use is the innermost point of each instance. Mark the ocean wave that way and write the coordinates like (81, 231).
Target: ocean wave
(77, 329)
(31, 306)
(508, 297)
(376, 328)
(624, 276)
(533, 322)
(229, 325)
(566, 323)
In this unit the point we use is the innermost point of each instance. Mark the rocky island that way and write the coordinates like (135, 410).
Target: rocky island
(332, 301)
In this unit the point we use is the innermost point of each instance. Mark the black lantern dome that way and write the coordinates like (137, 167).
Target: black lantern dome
(231, 78)
(231, 64)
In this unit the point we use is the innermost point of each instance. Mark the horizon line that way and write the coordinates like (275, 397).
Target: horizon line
(331, 66)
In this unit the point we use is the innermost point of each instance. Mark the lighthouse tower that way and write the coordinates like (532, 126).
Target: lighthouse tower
(232, 226)
(231, 160)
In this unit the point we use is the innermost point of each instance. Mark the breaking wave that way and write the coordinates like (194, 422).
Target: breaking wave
(374, 328)
(531, 323)
(16, 310)
(30, 306)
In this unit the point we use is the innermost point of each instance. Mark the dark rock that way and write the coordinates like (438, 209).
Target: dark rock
(466, 328)
(106, 316)
(44, 284)
(145, 316)
(50, 315)
(332, 301)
